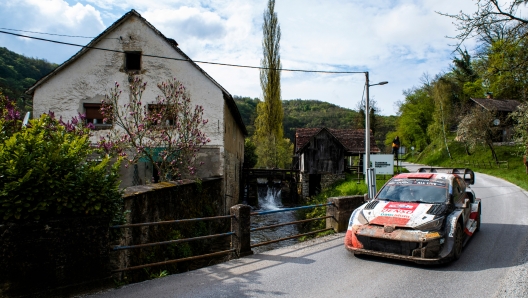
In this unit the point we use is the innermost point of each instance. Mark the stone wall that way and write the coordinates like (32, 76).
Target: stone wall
(329, 179)
(170, 201)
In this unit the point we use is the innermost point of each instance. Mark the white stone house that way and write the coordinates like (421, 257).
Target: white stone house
(123, 50)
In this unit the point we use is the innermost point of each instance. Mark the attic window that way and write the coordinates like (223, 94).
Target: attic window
(133, 60)
(94, 116)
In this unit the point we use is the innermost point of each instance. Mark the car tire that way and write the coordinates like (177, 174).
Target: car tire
(459, 242)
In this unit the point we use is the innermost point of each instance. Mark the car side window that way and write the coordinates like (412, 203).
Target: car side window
(457, 192)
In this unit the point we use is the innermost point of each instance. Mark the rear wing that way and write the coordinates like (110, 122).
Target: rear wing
(466, 174)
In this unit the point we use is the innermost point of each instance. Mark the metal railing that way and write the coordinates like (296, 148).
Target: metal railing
(177, 241)
(240, 233)
(289, 223)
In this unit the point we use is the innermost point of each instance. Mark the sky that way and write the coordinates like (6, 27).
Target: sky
(394, 40)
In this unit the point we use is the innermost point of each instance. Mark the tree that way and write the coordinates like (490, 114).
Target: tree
(47, 169)
(477, 128)
(269, 131)
(415, 116)
(250, 157)
(492, 20)
(167, 133)
(520, 118)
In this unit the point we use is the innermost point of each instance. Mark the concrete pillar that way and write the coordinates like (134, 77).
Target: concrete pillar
(241, 225)
(341, 210)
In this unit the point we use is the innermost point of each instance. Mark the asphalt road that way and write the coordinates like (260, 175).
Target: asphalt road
(493, 264)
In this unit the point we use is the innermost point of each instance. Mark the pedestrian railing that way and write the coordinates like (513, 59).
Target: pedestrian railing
(338, 211)
(177, 241)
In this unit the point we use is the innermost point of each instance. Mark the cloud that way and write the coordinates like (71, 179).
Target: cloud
(395, 40)
(188, 22)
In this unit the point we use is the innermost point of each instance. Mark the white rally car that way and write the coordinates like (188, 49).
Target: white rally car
(424, 217)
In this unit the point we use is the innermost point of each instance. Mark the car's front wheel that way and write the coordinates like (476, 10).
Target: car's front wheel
(459, 242)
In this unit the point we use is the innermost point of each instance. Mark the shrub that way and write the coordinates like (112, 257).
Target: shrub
(46, 170)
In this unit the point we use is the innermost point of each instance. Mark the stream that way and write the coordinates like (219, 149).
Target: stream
(269, 197)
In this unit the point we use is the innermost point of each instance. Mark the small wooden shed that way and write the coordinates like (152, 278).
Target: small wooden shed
(322, 155)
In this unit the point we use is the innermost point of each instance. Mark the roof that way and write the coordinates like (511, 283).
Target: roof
(353, 140)
(499, 105)
(227, 97)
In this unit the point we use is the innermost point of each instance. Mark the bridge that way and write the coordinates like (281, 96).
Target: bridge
(494, 264)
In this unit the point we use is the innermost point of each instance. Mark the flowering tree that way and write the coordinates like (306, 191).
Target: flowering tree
(477, 128)
(9, 117)
(167, 133)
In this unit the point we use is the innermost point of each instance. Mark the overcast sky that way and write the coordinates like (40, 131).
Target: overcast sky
(395, 40)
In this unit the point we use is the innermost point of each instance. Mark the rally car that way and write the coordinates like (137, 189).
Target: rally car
(425, 217)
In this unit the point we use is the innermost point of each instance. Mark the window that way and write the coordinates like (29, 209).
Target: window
(133, 60)
(93, 115)
(158, 108)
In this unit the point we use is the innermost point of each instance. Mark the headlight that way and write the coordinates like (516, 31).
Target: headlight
(361, 218)
(431, 225)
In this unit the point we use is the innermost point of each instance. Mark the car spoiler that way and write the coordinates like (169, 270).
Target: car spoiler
(467, 174)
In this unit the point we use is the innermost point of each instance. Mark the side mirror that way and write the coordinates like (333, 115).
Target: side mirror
(366, 197)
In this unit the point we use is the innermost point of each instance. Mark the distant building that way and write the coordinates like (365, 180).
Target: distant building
(322, 155)
(133, 47)
(502, 109)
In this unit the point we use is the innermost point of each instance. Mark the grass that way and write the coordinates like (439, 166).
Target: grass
(512, 169)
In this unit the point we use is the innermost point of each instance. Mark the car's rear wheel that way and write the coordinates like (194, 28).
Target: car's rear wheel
(459, 242)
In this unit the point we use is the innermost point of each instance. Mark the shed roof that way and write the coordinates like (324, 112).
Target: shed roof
(91, 45)
(499, 105)
(353, 140)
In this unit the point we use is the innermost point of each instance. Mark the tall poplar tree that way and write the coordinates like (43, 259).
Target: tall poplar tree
(272, 149)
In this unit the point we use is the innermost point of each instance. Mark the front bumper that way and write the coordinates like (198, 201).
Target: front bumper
(402, 244)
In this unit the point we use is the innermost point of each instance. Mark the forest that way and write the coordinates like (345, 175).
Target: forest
(300, 113)
(18, 73)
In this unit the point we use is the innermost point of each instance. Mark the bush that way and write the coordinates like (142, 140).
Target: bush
(45, 171)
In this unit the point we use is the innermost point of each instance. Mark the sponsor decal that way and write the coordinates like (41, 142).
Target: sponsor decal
(396, 213)
(453, 225)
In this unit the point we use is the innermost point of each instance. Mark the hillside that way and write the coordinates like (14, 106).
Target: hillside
(18, 73)
(314, 113)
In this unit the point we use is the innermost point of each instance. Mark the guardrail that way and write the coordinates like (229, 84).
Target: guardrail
(338, 212)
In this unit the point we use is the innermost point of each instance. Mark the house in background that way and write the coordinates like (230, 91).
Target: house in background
(130, 44)
(502, 109)
(322, 155)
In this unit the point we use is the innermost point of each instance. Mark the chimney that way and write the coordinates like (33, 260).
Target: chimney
(489, 95)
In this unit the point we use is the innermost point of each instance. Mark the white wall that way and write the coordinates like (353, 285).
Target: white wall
(93, 74)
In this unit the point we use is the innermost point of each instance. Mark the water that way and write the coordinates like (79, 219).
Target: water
(269, 197)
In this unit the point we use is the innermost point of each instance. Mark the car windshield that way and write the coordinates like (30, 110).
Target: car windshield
(404, 190)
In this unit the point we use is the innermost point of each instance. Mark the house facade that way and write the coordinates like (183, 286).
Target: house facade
(323, 155)
(133, 47)
(501, 109)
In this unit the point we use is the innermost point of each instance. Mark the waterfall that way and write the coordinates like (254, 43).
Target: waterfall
(269, 194)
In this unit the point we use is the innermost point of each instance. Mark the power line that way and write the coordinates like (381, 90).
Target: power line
(182, 59)
(46, 33)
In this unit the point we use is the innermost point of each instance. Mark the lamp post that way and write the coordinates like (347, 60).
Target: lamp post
(367, 121)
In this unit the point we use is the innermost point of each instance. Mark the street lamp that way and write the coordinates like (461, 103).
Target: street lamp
(367, 121)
